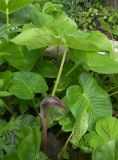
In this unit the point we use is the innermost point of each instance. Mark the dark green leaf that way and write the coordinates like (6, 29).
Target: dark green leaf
(21, 58)
(25, 84)
(47, 69)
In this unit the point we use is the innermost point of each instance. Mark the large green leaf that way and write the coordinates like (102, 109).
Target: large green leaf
(41, 37)
(94, 41)
(100, 62)
(60, 31)
(25, 84)
(90, 96)
(10, 6)
(108, 151)
(37, 38)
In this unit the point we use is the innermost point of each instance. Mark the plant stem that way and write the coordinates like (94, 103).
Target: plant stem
(59, 73)
(71, 70)
(44, 119)
(7, 17)
(60, 155)
(110, 89)
(57, 80)
(113, 93)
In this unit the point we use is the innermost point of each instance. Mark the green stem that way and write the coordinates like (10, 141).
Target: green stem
(60, 155)
(110, 89)
(71, 70)
(57, 80)
(113, 93)
(9, 110)
(7, 17)
(59, 73)
(45, 119)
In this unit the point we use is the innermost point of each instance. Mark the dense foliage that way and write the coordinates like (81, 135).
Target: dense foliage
(89, 15)
(82, 74)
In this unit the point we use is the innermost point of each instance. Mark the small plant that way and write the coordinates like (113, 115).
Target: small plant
(83, 77)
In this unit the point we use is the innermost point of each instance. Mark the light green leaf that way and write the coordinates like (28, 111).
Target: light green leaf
(41, 37)
(101, 62)
(4, 93)
(25, 84)
(108, 151)
(80, 128)
(107, 128)
(37, 38)
(60, 31)
(93, 140)
(94, 41)
(90, 96)
(12, 5)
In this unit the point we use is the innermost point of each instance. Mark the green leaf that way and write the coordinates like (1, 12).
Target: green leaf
(12, 5)
(12, 156)
(58, 37)
(47, 69)
(105, 130)
(7, 78)
(67, 123)
(93, 140)
(1, 83)
(42, 156)
(108, 151)
(39, 19)
(60, 31)
(2, 104)
(4, 94)
(100, 62)
(94, 41)
(30, 145)
(90, 96)
(25, 84)
(21, 58)
(37, 38)
(80, 128)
